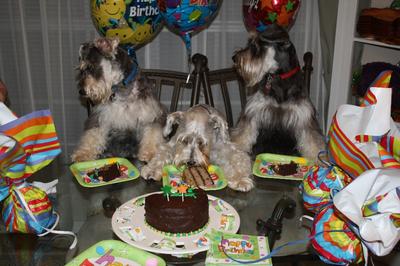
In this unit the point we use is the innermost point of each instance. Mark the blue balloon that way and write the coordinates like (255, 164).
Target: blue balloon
(187, 17)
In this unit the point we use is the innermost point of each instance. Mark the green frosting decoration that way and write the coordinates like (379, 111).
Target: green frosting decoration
(169, 191)
(166, 190)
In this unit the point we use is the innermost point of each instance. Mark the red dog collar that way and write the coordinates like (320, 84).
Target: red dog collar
(290, 73)
(286, 75)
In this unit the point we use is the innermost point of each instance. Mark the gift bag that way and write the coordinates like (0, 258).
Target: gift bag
(364, 142)
(365, 137)
(334, 241)
(26, 207)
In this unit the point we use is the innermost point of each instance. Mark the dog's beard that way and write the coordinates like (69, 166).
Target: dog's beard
(190, 155)
(96, 90)
(253, 69)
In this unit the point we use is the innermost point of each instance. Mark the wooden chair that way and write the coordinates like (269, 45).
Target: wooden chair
(202, 79)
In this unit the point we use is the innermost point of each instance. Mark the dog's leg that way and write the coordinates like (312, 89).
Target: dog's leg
(150, 143)
(245, 134)
(91, 145)
(236, 165)
(153, 169)
(310, 142)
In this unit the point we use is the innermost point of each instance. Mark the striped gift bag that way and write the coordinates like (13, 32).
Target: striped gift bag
(36, 146)
(360, 133)
(27, 208)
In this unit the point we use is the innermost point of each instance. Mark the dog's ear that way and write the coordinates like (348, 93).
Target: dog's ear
(173, 121)
(108, 46)
(220, 127)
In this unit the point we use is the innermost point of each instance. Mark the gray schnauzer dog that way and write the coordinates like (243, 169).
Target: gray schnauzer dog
(126, 120)
(200, 136)
(279, 117)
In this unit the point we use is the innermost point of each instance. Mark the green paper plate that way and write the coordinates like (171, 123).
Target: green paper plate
(262, 166)
(116, 252)
(171, 174)
(80, 170)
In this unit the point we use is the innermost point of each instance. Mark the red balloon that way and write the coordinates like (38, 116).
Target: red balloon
(258, 14)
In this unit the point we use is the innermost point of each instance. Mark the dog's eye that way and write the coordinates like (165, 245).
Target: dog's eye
(255, 49)
(200, 143)
(284, 45)
(184, 141)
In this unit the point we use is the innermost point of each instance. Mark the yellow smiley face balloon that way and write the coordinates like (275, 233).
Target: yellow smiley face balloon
(134, 22)
(125, 35)
(104, 12)
(143, 32)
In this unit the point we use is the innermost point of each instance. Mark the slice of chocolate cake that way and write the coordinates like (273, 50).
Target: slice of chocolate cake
(106, 173)
(285, 169)
(197, 176)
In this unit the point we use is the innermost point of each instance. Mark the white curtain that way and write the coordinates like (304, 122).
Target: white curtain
(39, 47)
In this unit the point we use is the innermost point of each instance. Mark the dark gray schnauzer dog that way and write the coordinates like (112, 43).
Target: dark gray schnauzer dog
(279, 117)
(126, 120)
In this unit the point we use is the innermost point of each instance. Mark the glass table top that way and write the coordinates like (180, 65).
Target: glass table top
(251, 206)
(81, 210)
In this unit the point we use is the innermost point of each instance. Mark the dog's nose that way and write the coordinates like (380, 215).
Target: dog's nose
(82, 92)
(191, 162)
(234, 58)
(83, 51)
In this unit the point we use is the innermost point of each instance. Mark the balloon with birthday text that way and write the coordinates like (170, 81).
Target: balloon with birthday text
(134, 22)
(258, 14)
(188, 17)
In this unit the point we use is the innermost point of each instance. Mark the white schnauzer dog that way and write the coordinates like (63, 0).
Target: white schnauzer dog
(200, 136)
(126, 120)
(279, 117)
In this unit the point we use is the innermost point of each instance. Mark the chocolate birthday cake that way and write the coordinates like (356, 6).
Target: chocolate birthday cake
(177, 214)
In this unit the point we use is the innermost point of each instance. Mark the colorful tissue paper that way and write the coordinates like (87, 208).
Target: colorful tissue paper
(320, 184)
(372, 203)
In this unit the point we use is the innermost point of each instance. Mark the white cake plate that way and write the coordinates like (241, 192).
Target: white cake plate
(128, 223)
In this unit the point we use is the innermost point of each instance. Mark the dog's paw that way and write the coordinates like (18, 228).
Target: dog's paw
(82, 156)
(149, 172)
(244, 184)
(145, 155)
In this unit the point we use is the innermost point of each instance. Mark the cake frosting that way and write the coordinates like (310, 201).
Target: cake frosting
(177, 214)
